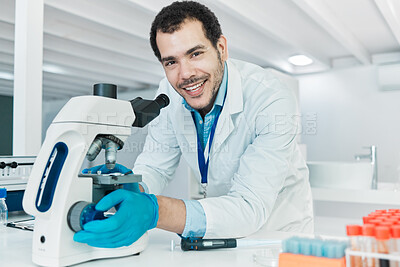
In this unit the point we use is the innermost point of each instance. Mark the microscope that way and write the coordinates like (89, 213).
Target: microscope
(59, 196)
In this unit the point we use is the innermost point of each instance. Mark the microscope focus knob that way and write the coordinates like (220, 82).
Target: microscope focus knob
(82, 212)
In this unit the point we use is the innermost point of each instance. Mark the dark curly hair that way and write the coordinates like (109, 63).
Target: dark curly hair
(171, 17)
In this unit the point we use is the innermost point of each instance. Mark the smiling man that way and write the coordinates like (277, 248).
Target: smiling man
(233, 122)
(194, 65)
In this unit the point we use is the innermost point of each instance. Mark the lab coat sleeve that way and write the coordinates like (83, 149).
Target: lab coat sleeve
(263, 169)
(161, 154)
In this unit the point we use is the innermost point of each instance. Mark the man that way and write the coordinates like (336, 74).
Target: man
(235, 125)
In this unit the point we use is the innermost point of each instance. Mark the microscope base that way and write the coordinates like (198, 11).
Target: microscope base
(93, 254)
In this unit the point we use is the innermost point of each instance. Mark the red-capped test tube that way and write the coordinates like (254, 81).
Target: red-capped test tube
(354, 233)
(369, 244)
(382, 235)
(395, 233)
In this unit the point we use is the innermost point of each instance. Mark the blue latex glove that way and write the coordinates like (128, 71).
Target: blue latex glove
(134, 187)
(137, 213)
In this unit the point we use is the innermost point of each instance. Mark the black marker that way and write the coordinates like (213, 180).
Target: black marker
(204, 244)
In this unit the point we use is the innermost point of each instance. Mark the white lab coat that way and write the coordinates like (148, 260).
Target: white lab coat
(257, 177)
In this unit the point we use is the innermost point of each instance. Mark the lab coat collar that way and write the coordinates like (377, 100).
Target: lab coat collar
(234, 96)
(233, 105)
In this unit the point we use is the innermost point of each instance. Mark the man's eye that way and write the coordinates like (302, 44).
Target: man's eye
(195, 54)
(169, 63)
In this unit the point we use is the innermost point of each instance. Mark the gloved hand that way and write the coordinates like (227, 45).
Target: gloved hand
(137, 213)
(118, 168)
(134, 187)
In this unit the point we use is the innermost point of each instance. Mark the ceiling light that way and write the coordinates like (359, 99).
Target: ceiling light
(6, 76)
(300, 60)
(53, 69)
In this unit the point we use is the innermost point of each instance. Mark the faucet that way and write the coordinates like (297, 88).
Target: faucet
(372, 157)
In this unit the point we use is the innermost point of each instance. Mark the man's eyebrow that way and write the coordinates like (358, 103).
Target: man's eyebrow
(191, 50)
(168, 58)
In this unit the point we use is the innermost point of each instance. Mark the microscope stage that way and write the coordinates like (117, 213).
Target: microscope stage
(112, 179)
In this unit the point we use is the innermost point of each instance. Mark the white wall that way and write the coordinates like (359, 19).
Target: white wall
(344, 110)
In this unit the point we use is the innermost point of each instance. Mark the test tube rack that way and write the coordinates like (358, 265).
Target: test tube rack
(15, 171)
(349, 253)
(299, 260)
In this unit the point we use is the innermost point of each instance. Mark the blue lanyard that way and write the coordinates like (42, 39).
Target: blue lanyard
(203, 164)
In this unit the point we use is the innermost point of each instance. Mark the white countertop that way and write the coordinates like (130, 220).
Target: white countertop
(385, 195)
(16, 245)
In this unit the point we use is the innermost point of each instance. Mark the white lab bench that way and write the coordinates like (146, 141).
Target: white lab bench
(352, 204)
(16, 246)
(386, 195)
(336, 209)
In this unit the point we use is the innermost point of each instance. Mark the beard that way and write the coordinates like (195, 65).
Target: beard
(218, 74)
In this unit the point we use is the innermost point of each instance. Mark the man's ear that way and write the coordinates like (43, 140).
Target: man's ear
(222, 46)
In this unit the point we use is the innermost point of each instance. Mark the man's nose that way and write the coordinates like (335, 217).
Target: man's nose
(187, 70)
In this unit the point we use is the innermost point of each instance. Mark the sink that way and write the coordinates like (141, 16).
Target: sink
(340, 175)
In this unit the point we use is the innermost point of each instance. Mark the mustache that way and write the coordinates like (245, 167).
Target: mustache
(191, 81)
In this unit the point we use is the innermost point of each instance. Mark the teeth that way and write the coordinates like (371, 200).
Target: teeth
(194, 87)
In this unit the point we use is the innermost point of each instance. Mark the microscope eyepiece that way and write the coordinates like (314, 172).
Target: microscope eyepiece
(146, 110)
(162, 100)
